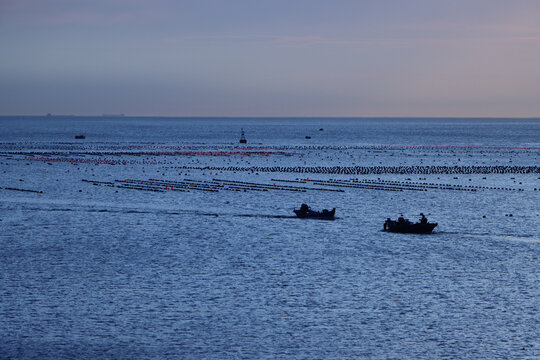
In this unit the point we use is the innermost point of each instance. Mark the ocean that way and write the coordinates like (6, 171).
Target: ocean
(161, 238)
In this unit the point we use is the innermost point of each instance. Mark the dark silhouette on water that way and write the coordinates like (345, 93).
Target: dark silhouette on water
(305, 212)
(403, 225)
(243, 137)
(80, 137)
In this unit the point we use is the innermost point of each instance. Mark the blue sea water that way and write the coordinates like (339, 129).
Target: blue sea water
(91, 269)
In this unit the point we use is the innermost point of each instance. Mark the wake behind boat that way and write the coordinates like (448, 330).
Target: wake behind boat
(406, 227)
(305, 212)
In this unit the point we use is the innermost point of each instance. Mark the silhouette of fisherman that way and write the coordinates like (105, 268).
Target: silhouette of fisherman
(387, 224)
(423, 219)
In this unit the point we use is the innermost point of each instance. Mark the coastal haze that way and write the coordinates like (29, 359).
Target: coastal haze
(165, 237)
(270, 58)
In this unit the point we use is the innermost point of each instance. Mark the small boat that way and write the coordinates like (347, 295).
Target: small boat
(305, 212)
(80, 137)
(406, 227)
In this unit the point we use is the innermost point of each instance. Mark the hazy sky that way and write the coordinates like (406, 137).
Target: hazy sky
(270, 57)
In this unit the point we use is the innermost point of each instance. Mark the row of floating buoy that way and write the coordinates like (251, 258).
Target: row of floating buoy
(366, 186)
(387, 186)
(393, 185)
(332, 185)
(51, 157)
(210, 152)
(215, 185)
(273, 186)
(366, 170)
(448, 149)
(74, 161)
(99, 183)
(23, 190)
(443, 186)
(74, 146)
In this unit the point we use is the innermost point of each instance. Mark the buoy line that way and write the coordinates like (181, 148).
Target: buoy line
(378, 170)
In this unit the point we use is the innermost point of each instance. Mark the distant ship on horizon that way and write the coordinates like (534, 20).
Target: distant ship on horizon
(113, 115)
(102, 115)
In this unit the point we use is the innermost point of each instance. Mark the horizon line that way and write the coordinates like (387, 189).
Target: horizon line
(271, 117)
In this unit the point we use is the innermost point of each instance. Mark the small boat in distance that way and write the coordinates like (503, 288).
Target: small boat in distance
(305, 212)
(243, 137)
(80, 137)
(404, 226)
(113, 115)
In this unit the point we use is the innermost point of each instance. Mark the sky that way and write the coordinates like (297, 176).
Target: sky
(363, 58)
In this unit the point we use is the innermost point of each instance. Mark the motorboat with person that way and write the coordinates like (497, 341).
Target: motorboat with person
(305, 212)
(404, 226)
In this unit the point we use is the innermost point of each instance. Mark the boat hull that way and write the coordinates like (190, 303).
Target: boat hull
(310, 214)
(409, 228)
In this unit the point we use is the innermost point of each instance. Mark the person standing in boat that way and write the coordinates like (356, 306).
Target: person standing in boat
(387, 224)
(423, 219)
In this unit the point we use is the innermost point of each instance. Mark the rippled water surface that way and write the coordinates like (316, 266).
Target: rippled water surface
(162, 238)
